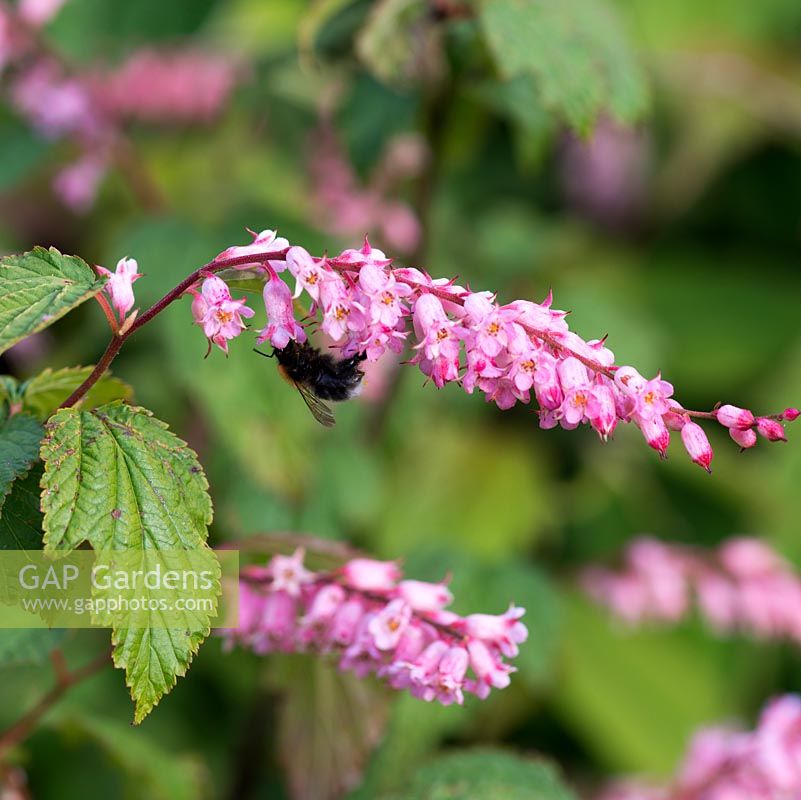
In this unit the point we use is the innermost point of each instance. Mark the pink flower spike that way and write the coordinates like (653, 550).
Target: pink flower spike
(745, 439)
(120, 284)
(370, 575)
(772, 430)
(281, 323)
(697, 445)
(734, 417)
(288, 572)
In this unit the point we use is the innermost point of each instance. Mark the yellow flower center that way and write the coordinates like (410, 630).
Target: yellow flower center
(341, 313)
(493, 328)
(224, 316)
(442, 333)
(387, 298)
(650, 398)
(580, 399)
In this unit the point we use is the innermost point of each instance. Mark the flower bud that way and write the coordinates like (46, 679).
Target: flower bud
(745, 439)
(791, 414)
(697, 445)
(772, 430)
(734, 417)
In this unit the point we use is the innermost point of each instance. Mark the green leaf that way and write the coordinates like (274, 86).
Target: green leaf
(156, 772)
(328, 724)
(400, 43)
(39, 287)
(577, 52)
(117, 478)
(28, 645)
(485, 775)
(43, 394)
(21, 522)
(20, 436)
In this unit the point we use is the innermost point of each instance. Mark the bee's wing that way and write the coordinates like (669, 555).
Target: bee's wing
(319, 409)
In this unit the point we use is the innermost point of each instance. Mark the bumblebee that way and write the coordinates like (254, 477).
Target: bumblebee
(319, 376)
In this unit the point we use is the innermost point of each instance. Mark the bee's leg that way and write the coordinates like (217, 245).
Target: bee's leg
(266, 355)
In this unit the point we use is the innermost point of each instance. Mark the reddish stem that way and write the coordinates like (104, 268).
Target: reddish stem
(117, 342)
(65, 680)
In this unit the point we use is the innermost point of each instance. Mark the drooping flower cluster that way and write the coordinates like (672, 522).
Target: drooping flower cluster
(374, 621)
(742, 586)
(514, 353)
(89, 107)
(730, 764)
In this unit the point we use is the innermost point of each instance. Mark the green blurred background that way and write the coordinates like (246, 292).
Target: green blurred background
(678, 236)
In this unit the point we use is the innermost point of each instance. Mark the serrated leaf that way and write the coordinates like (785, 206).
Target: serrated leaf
(20, 437)
(21, 522)
(157, 773)
(328, 725)
(577, 52)
(117, 478)
(485, 775)
(39, 287)
(44, 393)
(28, 645)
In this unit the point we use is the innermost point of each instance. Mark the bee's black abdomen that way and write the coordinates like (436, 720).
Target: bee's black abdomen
(328, 377)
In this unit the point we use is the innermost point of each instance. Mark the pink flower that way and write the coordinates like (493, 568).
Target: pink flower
(745, 439)
(656, 434)
(309, 272)
(370, 575)
(277, 623)
(450, 676)
(504, 631)
(281, 324)
(288, 572)
(772, 430)
(425, 597)
(346, 622)
(221, 318)
(321, 610)
(389, 624)
(744, 557)
(120, 284)
(697, 445)
(734, 417)
(778, 742)
(265, 242)
(383, 294)
(39, 12)
(601, 411)
(489, 669)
